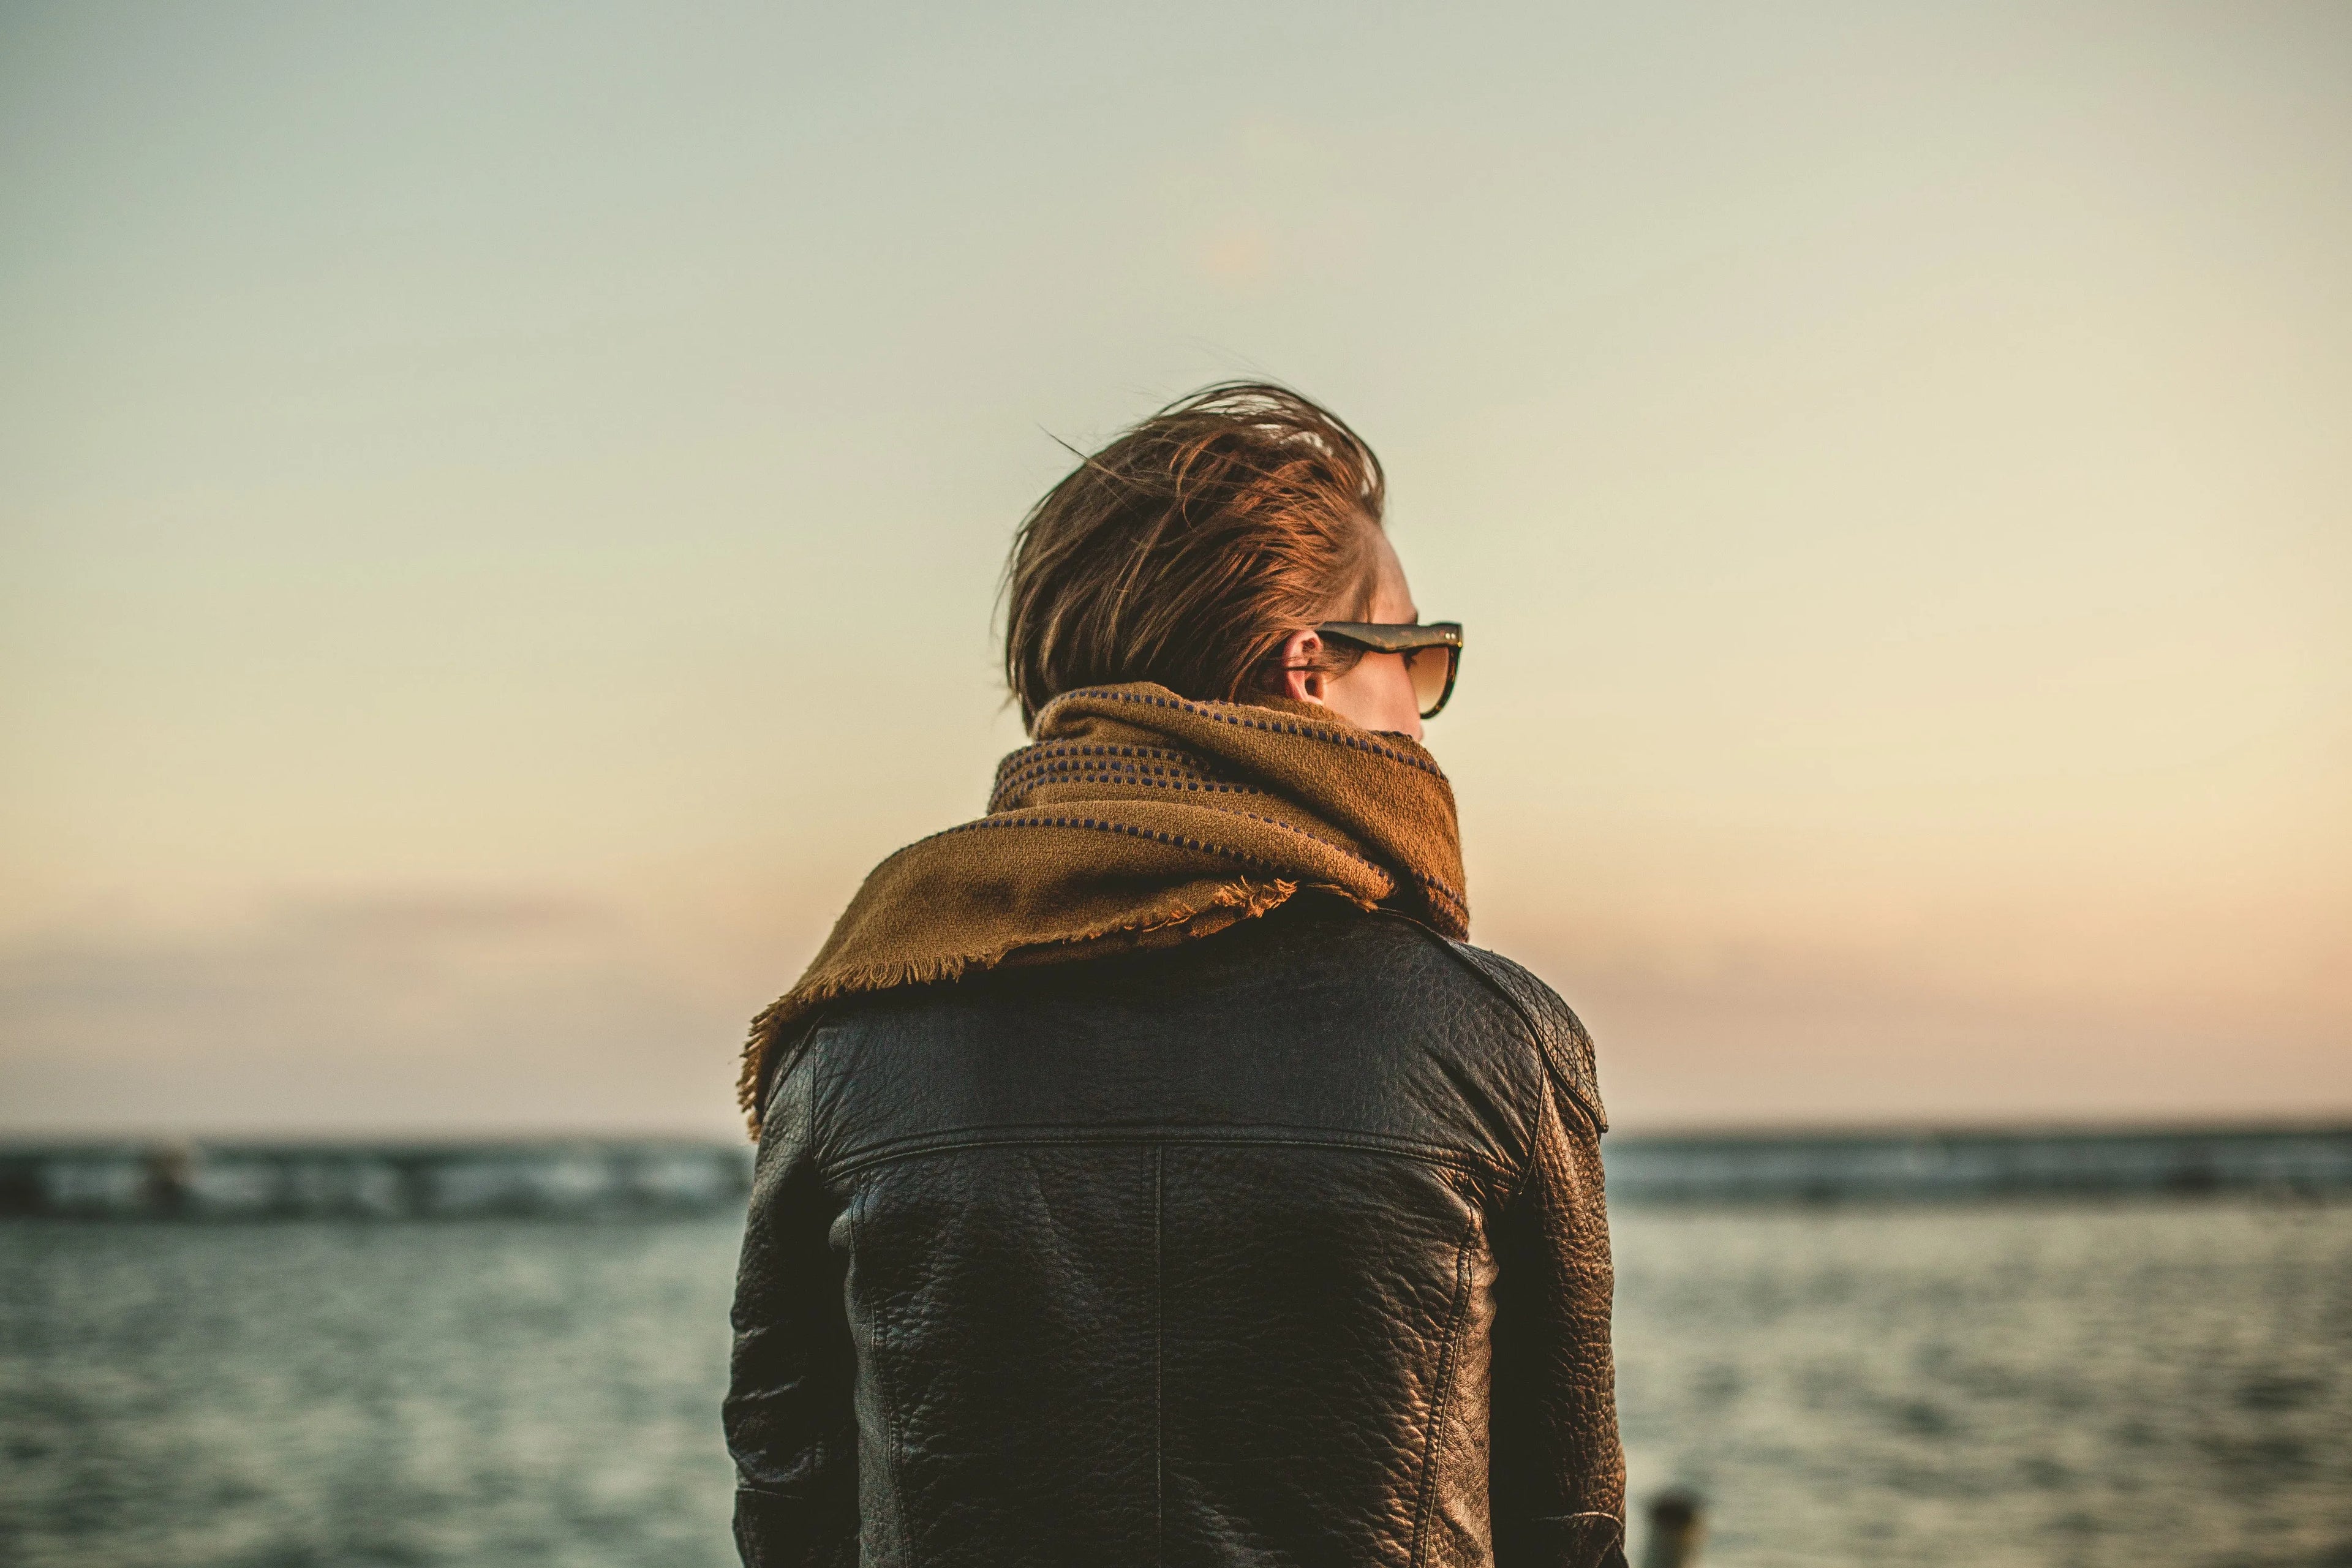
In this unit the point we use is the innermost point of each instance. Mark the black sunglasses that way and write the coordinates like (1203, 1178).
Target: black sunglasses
(1433, 653)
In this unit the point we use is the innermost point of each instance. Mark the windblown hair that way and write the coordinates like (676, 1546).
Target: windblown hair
(1187, 550)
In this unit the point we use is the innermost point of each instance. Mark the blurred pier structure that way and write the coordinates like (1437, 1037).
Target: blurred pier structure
(643, 1179)
(583, 1180)
(2311, 1162)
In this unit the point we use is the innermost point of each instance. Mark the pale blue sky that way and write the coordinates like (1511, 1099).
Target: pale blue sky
(502, 503)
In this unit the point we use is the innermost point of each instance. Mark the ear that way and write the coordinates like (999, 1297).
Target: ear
(1301, 649)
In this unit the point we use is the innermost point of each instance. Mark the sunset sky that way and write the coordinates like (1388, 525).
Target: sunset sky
(501, 508)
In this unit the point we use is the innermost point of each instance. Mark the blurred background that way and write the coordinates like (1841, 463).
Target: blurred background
(499, 514)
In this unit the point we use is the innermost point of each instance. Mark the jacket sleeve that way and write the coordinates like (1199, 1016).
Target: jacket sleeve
(790, 1421)
(1557, 1475)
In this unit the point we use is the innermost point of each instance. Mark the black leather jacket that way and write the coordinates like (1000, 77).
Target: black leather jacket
(1283, 1246)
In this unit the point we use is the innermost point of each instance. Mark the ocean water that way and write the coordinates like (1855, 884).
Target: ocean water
(2145, 1384)
(2148, 1383)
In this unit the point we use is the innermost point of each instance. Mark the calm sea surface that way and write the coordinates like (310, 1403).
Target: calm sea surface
(2144, 1384)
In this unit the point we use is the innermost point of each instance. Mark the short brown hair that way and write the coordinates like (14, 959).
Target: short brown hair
(1186, 550)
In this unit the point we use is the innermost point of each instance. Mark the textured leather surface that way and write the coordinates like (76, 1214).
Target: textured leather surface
(1284, 1245)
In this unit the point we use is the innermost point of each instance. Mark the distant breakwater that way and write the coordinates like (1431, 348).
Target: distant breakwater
(621, 1179)
(1960, 1165)
(601, 1179)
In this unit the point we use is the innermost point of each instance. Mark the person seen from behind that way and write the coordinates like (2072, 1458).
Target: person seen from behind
(1150, 1172)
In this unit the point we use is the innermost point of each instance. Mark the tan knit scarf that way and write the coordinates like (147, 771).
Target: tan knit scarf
(1140, 817)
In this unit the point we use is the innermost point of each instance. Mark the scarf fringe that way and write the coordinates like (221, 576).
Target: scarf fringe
(1244, 900)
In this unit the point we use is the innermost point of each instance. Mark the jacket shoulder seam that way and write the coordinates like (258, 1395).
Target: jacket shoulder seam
(788, 1058)
(1570, 1077)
